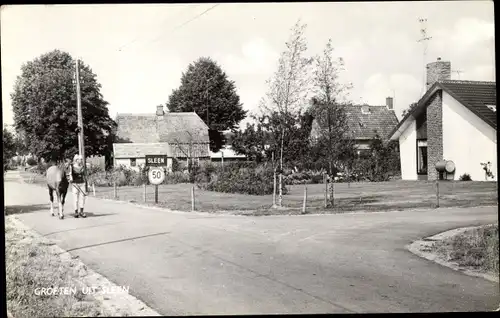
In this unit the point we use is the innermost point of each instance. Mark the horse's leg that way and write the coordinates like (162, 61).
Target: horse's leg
(59, 201)
(51, 196)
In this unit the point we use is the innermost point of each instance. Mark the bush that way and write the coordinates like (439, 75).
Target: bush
(176, 177)
(309, 177)
(465, 177)
(31, 161)
(241, 178)
(176, 166)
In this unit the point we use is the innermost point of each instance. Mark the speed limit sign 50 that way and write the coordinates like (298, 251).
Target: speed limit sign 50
(156, 175)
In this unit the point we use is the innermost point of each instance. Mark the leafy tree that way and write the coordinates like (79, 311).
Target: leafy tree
(44, 103)
(206, 90)
(251, 142)
(383, 161)
(409, 109)
(9, 146)
(21, 144)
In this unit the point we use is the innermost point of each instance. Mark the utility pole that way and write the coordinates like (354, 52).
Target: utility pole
(81, 143)
(424, 40)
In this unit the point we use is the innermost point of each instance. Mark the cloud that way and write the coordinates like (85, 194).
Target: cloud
(404, 87)
(255, 56)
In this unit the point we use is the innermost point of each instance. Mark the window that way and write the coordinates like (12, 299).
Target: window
(133, 162)
(422, 156)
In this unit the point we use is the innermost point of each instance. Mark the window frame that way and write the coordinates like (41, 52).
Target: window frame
(419, 171)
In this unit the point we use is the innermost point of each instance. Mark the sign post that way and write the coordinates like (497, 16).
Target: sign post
(156, 173)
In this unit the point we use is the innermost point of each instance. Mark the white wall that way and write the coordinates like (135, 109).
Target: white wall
(408, 152)
(467, 140)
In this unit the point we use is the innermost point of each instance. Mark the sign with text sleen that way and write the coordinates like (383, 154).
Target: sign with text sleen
(156, 160)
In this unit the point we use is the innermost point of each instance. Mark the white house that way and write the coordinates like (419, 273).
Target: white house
(455, 121)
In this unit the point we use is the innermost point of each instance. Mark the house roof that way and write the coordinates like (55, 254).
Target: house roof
(379, 119)
(474, 95)
(172, 128)
(363, 126)
(140, 150)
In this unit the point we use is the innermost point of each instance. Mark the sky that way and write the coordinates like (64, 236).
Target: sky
(139, 51)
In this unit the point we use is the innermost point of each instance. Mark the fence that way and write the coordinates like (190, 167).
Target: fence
(309, 198)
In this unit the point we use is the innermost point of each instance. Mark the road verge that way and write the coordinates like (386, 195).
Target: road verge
(43, 280)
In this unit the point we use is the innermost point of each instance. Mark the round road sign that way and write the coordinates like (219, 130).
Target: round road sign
(156, 175)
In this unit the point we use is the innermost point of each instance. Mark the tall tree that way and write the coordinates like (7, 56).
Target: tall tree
(289, 86)
(206, 90)
(44, 103)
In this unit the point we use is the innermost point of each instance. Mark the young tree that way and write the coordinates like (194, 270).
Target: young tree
(206, 90)
(44, 103)
(288, 88)
(329, 109)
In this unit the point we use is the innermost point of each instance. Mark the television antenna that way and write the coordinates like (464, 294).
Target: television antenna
(424, 40)
(458, 72)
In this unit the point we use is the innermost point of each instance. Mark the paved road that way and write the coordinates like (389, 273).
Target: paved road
(183, 263)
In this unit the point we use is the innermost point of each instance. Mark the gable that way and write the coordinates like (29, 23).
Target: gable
(474, 95)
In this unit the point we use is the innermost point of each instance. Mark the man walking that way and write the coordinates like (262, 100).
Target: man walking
(78, 179)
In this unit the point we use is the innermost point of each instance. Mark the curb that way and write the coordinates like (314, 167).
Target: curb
(110, 301)
(416, 249)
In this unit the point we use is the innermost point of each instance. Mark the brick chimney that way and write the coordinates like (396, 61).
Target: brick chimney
(389, 103)
(438, 71)
(159, 110)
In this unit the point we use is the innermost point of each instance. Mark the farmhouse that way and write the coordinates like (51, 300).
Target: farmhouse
(454, 121)
(365, 121)
(176, 135)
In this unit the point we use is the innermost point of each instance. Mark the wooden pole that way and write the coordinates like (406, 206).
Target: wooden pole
(305, 199)
(281, 190)
(326, 190)
(81, 143)
(156, 194)
(437, 193)
(274, 190)
(222, 159)
(93, 188)
(144, 192)
(115, 195)
(192, 199)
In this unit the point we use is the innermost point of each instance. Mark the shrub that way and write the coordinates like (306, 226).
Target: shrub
(175, 165)
(176, 177)
(31, 161)
(465, 177)
(242, 178)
